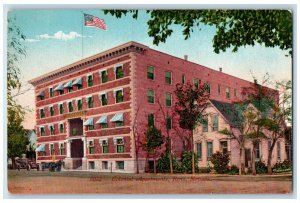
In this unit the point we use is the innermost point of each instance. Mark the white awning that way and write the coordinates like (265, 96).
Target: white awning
(117, 117)
(78, 81)
(102, 119)
(41, 94)
(89, 121)
(68, 84)
(40, 148)
(60, 87)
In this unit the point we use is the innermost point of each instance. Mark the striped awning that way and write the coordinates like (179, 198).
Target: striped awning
(78, 81)
(89, 121)
(102, 119)
(68, 84)
(117, 117)
(40, 148)
(60, 87)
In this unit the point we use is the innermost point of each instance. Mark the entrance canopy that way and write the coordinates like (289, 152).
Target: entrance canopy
(89, 121)
(40, 148)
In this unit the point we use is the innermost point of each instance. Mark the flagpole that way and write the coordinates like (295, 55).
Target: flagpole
(82, 21)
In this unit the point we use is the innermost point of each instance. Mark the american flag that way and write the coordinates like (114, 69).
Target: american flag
(90, 20)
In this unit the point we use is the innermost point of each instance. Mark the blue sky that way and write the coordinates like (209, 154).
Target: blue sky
(54, 39)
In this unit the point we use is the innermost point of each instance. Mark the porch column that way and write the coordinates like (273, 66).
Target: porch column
(69, 148)
(84, 147)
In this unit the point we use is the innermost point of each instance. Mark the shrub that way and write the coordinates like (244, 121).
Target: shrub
(234, 170)
(204, 170)
(260, 167)
(284, 166)
(186, 162)
(163, 163)
(220, 162)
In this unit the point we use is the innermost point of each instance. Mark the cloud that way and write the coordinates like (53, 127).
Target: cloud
(59, 35)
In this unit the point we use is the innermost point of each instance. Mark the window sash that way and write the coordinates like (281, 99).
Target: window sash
(150, 73)
(61, 128)
(150, 95)
(227, 93)
(278, 151)
(51, 111)
(168, 99)
(119, 96)
(91, 127)
(219, 89)
(61, 109)
(70, 106)
(209, 149)
(120, 148)
(199, 150)
(183, 78)
(90, 81)
(119, 123)
(150, 120)
(215, 123)
(91, 150)
(51, 130)
(257, 151)
(51, 92)
(119, 72)
(168, 123)
(207, 87)
(104, 77)
(61, 92)
(120, 165)
(205, 126)
(168, 78)
(42, 113)
(103, 100)
(42, 131)
(104, 125)
(62, 151)
(90, 102)
(79, 105)
(104, 149)
(196, 83)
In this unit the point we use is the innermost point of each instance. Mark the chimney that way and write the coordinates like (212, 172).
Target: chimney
(185, 57)
(220, 69)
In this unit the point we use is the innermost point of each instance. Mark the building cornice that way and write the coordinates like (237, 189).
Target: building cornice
(92, 60)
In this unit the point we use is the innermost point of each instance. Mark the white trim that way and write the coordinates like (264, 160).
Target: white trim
(100, 73)
(87, 76)
(118, 65)
(119, 89)
(101, 141)
(59, 144)
(50, 147)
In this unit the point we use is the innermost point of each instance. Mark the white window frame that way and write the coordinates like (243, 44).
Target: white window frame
(115, 69)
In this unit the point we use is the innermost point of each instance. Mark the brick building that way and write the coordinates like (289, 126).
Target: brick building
(85, 111)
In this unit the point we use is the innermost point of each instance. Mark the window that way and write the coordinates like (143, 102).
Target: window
(91, 165)
(269, 145)
(207, 87)
(209, 150)
(168, 99)
(215, 123)
(42, 131)
(196, 83)
(79, 104)
(119, 72)
(119, 96)
(51, 92)
(61, 92)
(103, 98)
(61, 128)
(104, 76)
(104, 165)
(70, 89)
(120, 165)
(41, 97)
(91, 146)
(257, 149)
(61, 108)
(79, 86)
(234, 92)
(104, 146)
(42, 113)
(150, 72)
(219, 89)
(150, 120)
(224, 147)
(168, 77)
(183, 78)
(205, 125)
(74, 131)
(90, 81)
(62, 148)
(119, 123)
(90, 127)
(90, 102)
(104, 125)
(278, 151)
(227, 93)
(150, 95)
(199, 150)
(51, 128)
(169, 122)
(70, 105)
(52, 150)
(120, 145)
(51, 111)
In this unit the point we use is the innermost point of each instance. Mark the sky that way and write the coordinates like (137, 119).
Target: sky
(55, 38)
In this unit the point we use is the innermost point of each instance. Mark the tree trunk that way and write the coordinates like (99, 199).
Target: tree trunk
(146, 163)
(155, 165)
(270, 158)
(253, 161)
(193, 156)
(137, 162)
(171, 163)
(241, 159)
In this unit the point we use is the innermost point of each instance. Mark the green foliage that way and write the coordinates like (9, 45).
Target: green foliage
(154, 139)
(234, 28)
(220, 162)
(234, 170)
(285, 166)
(163, 164)
(225, 131)
(186, 161)
(260, 167)
(204, 170)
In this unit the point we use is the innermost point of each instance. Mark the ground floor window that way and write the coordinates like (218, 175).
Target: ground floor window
(62, 149)
(224, 147)
(278, 151)
(91, 147)
(199, 150)
(105, 165)
(120, 165)
(209, 150)
(257, 149)
(91, 165)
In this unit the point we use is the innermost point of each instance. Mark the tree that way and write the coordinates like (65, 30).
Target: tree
(234, 28)
(17, 139)
(153, 140)
(190, 106)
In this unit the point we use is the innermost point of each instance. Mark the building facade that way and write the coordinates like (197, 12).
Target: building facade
(86, 112)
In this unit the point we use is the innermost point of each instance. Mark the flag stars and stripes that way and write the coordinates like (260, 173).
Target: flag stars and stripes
(90, 20)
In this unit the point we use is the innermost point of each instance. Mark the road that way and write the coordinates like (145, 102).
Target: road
(79, 182)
